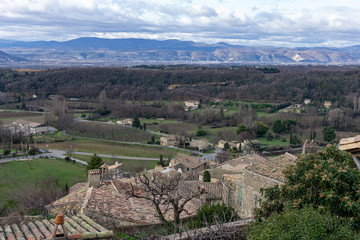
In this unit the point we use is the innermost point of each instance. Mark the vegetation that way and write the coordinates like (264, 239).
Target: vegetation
(210, 214)
(305, 223)
(17, 176)
(329, 134)
(326, 180)
(95, 162)
(206, 176)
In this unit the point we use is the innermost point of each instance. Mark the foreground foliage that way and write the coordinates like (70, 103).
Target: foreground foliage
(306, 223)
(327, 180)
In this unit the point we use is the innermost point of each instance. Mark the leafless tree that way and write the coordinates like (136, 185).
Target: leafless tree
(223, 156)
(164, 192)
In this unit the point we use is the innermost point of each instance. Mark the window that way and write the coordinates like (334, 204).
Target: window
(187, 169)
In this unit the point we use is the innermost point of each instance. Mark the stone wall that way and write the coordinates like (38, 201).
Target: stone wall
(234, 185)
(252, 183)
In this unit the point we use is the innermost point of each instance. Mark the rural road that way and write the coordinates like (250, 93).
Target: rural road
(62, 154)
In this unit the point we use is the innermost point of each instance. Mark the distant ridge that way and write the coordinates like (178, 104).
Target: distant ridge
(4, 57)
(100, 51)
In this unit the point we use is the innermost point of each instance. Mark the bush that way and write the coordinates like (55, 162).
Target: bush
(200, 133)
(306, 223)
(209, 215)
(206, 176)
(269, 136)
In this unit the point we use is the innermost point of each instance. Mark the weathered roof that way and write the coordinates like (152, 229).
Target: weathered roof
(247, 160)
(112, 199)
(274, 167)
(218, 172)
(213, 190)
(188, 161)
(78, 227)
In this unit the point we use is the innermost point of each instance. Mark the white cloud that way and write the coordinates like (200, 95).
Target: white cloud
(256, 22)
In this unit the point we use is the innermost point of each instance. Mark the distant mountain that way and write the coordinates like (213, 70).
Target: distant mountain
(6, 58)
(99, 51)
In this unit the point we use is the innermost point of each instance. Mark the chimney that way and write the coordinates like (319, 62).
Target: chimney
(94, 178)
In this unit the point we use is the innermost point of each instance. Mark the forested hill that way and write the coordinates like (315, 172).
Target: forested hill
(188, 82)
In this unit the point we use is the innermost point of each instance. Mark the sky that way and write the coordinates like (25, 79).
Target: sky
(282, 23)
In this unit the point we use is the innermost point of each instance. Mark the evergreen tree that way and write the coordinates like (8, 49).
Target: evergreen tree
(277, 126)
(95, 162)
(261, 129)
(144, 126)
(206, 176)
(329, 134)
(136, 122)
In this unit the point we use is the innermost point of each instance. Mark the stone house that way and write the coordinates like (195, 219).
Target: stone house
(191, 105)
(310, 147)
(171, 140)
(202, 145)
(189, 164)
(327, 104)
(242, 162)
(126, 121)
(262, 175)
(307, 101)
(232, 144)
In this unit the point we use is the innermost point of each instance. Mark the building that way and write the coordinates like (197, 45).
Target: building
(327, 104)
(171, 140)
(189, 165)
(201, 145)
(191, 105)
(242, 162)
(310, 147)
(77, 227)
(307, 101)
(109, 203)
(262, 175)
(232, 144)
(126, 121)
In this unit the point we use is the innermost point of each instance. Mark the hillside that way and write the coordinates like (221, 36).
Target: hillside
(107, 52)
(6, 58)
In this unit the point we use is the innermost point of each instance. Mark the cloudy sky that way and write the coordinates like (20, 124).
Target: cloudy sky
(289, 23)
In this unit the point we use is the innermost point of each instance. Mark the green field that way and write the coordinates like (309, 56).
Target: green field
(8, 116)
(129, 164)
(16, 175)
(122, 149)
(276, 142)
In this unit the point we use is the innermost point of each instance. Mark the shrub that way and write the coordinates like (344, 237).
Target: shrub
(307, 223)
(209, 215)
(200, 133)
(206, 176)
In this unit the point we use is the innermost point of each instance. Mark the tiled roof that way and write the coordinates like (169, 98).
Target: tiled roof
(213, 190)
(112, 199)
(188, 161)
(274, 167)
(218, 172)
(78, 227)
(248, 159)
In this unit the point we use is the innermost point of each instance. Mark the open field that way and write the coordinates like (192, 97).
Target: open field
(111, 132)
(18, 174)
(276, 142)
(8, 117)
(131, 150)
(128, 163)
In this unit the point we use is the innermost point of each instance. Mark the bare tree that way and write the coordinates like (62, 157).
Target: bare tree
(164, 192)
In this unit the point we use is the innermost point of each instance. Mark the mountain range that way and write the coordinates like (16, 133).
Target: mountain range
(108, 52)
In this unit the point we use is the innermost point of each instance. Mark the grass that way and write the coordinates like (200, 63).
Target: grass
(49, 138)
(14, 175)
(275, 142)
(122, 149)
(8, 116)
(128, 163)
(111, 132)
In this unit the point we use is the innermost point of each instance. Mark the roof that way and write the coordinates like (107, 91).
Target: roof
(25, 122)
(218, 172)
(274, 167)
(78, 227)
(112, 199)
(246, 160)
(188, 161)
(213, 190)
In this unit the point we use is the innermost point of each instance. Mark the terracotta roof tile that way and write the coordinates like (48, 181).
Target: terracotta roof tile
(79, 226)
(274, 167)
